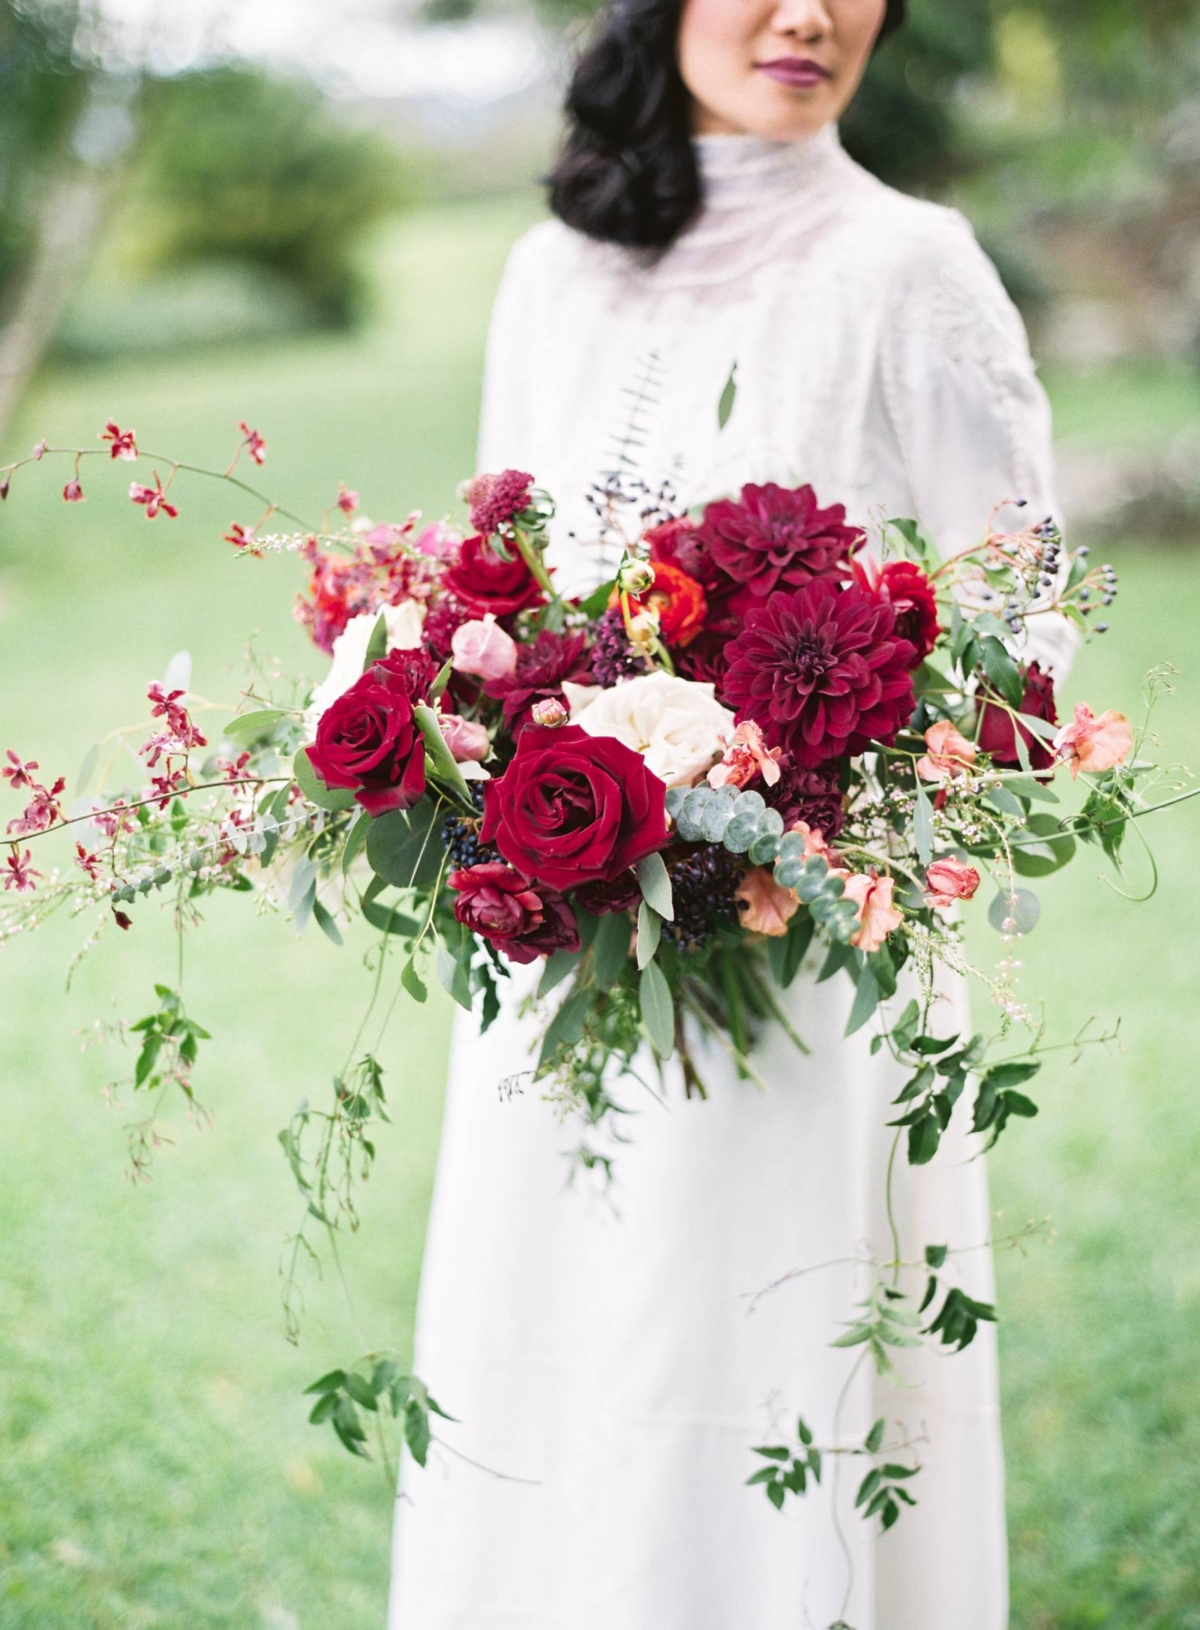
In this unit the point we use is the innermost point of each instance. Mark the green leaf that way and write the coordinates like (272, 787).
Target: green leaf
(728, 398)
(875, 1436)
(561, 965)
(355, 838)
(454, 974)
(658, 1009)
(773, 1453)
(866, 1000)
(935, 1255)
(923, 825)
(1012, 1075)
(360, 1390)
(326, 923)
(924, 1136)
(442, 764)
(402, 846)
(1055, 849)
(566, 1027)
(251, 727)
(412, 981)
(649, 933)
(314, 789)
(329, 1382)
(777, 1494)
(378, 643)
(596, 603)
(416, 1430)
(610, 949)
(656, 885)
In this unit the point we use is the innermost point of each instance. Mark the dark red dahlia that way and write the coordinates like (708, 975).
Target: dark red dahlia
(907, 588)
(774, 535)
(496, 500)
(540, 672)
(812, 796)
(707, 657)
(998, 731)
(822, 671)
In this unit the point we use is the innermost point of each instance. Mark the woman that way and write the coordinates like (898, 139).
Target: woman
(600, 1353)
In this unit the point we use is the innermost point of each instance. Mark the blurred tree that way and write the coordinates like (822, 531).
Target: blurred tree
(242, 166)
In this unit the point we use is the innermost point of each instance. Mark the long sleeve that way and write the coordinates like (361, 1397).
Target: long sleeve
(504, 428)
(968, 410)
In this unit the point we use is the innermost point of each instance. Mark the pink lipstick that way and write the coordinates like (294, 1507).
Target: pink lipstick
(798, 73)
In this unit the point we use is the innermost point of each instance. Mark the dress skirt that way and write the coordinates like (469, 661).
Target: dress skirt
(612, 1371)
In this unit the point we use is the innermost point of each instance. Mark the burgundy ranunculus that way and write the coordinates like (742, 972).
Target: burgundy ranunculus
(524, 922)
(541, 669)
(812, 796)
(678, 543)
(997, 730)
(484, 582)
(572, 808)
(906, 587)
(610, 895)
(368, 740)
(821, 670)
(775, 535)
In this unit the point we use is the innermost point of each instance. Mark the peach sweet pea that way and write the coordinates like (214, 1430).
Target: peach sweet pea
(948, 880)
(769, 906)
(746, 756)
(877, 916)
(1094, 744)
(482, 647)
(950, 753)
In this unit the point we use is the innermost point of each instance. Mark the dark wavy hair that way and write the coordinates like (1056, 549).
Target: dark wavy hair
(627, 173)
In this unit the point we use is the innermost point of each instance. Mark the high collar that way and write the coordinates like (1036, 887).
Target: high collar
(740, 170)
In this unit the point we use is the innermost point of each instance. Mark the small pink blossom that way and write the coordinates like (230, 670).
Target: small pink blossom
(20, 873)
(440, 540)
(467, 739)
(877, 916)
(42, 810)
(116, 818)
(18, 773)
(948, 880)
(1094, 744)
(166, 786)
(88, 863)
(152, 498)
(233, 769)
(124, 442)
(768, 906)
(746, 757)
(4, 486)
(73, 492)
(482, 647)
(255, 446)
(38, 451)
(950, 753)
(347, 499)
(242, 537)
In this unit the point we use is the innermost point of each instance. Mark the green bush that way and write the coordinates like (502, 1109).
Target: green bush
(240, 166)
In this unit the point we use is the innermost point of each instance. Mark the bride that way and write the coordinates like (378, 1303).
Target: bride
(600, 1350)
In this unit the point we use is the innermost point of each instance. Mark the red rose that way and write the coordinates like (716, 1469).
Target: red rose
(997, 730)
(369, 740)
(572, 808)
(906, 588)
(772, 535)
(499, 904)
(484, 582)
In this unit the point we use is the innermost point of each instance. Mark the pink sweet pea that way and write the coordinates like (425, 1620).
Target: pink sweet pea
(766, 907)
(1094, 744)
(481, 647)
(950, 753)
(877, 916)
(746, 756)
(948, 880)
(467, 739)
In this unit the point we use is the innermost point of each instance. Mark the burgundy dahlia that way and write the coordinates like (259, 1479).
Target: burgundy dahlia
(812, 796)
(998, 732)
(906, 587)
(774, 535)
(521, 920)
(540, 673)
(822, 671)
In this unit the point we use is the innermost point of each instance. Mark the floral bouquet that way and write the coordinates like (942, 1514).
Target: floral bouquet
(760, 739)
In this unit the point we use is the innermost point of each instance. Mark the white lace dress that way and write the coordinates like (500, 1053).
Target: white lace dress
(601, 1348)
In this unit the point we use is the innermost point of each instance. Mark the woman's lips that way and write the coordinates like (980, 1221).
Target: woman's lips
(799, 73)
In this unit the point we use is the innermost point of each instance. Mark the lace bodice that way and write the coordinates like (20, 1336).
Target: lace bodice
(877, 356)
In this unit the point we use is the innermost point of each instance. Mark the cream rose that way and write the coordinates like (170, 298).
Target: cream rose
(677, 725)
(403, 624)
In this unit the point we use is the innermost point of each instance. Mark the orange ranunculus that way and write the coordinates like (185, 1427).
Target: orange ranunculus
(950, 753)
(768, 906)
(1094, 744)
(677, 600)
(877, 916)
(948, 880)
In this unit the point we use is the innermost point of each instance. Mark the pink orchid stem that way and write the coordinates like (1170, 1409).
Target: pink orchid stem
(138, 803)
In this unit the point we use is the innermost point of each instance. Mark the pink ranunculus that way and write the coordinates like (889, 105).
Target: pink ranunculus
(948, 880)
(482, 647)
(766, 906)
(467, 739)
(877, 916)
(1094, 744)
(950, 753)
(746, 757)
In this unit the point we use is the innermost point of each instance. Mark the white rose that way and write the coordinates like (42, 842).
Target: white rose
(677, 725)
(403, 624)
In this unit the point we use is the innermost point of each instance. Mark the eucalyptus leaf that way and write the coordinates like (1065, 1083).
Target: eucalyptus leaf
(250, 727)
(649, 933)
(656, 885)
(658, 1009)
(314, 789)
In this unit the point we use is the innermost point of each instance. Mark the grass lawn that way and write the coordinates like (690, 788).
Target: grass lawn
(156, 1468)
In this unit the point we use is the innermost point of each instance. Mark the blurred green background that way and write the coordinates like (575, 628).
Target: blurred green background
(194, 231)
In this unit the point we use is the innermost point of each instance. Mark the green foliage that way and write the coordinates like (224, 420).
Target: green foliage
(242, 166)
(349, 1399)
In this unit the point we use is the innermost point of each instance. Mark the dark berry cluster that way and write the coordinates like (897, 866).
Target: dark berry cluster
(460, 835)
(703, 882)
(613, 657)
